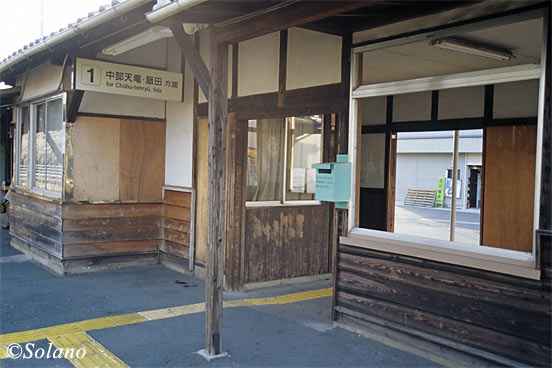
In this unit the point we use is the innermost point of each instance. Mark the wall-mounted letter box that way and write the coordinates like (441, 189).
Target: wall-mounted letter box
(333, 181)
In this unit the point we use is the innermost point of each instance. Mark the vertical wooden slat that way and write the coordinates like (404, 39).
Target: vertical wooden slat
(488, 114)
(282, 71)
(218, 112)
(339, 229)
(235, 61)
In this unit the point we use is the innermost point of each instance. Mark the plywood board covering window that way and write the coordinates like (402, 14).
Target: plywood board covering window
(509, 187)
(118, 159)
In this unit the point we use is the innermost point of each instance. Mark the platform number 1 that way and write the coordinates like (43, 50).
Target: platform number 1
(91, 75)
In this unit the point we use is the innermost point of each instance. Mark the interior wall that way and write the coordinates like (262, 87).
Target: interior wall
(179, 134)
(313, 59)
(119, 105)
(258, 65)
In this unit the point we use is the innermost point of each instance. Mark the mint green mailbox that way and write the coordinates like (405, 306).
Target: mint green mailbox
(333, 181)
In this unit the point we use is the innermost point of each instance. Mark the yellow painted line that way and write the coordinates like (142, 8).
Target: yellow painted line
(3, 352)
(96, 354)
(292, 298)
(87, 325)
(75, 328)
(156, 314)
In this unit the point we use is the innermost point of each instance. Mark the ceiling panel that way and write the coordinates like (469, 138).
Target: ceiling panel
(421, 59)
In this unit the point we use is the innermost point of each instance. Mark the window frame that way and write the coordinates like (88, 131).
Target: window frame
(284, 201)
(517, 263)
(32, 107)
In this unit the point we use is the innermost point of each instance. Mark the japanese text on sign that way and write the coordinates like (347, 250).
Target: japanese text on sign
(100, 76)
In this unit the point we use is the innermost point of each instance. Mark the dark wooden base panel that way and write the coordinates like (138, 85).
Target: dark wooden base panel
(501, 315)
(441, 351)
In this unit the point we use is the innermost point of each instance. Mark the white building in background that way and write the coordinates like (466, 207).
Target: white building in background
(424, 157)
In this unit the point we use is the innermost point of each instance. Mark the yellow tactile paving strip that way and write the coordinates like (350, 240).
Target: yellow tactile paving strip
(74, 335)
(96, 354)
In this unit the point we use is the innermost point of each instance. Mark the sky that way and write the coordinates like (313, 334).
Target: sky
(20, 19)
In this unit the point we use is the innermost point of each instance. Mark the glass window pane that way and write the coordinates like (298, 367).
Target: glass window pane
(24, 142)
(55, 143)
(424, 185)
(372, 161)
(265, 159)
(40, 147)
(304, 149)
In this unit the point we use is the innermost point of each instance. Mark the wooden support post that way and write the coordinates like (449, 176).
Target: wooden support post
(218, 112)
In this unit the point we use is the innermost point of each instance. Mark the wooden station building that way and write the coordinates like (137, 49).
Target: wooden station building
(126, 120)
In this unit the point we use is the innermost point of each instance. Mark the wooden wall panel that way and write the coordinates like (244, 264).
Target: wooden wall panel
(96, 159)
(504, 315)
(176, 223)
(94, 230)
(285, 242)
(510, 153)
(36, 222)
(142, 159)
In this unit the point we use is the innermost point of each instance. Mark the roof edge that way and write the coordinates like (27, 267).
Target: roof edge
(45, 43)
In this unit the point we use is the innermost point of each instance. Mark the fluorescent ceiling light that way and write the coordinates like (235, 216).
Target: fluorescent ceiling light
(143, 38)
(456, 44)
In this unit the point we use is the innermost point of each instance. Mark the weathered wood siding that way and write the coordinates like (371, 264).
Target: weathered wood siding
(176, 223)
(284, 242)
(96, 230)
(36, 222)
(504, 315)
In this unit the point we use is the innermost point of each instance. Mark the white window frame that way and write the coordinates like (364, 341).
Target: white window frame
(522, 264)
(32, 126)
(284, 201)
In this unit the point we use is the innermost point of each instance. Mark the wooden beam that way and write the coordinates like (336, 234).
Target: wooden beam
(74, 99)
(299, 102)
(343, 127)
(293, 15)
(193, 57)
(216, 219)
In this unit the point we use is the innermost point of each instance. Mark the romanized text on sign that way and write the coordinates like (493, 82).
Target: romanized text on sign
(101, 76)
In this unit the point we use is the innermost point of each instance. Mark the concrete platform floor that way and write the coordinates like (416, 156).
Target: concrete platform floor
(153, 317)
